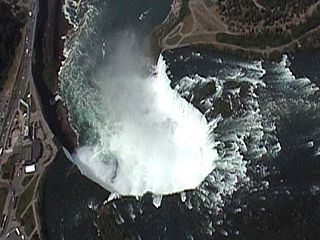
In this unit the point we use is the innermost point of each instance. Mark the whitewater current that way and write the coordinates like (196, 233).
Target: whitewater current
(143, 133)
(152, 140)
(196, 124)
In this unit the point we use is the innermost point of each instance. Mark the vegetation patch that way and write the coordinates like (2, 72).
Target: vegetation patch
(25, 198)
(184, 11)
(311, 22)
(187, 25)
(3, 197)
(33, 105)
(268, 13)
(11, 22)
(261, 40)
(174, 40)
(311, 40)
(28, 221)
(26, 180)
(39, 205)
(8, 168)
(15, 202)
(35, 236)
(267, 23)
(251, 28)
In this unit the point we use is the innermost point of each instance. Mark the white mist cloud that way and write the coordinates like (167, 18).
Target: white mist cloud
(152, 140)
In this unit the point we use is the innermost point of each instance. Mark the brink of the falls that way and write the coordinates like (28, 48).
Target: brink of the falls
(153, 140)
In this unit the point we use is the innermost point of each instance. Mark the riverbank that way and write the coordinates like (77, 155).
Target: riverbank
(48, 56)
(57, 185)
(49, 45)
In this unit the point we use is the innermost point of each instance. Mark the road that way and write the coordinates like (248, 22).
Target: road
(24, 72)
(19, 90)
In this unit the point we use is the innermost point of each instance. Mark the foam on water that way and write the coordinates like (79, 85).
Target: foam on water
(112, 136)
(232, 133)
(156, 141)
(93, 120)
(143, 136)
(241, 140)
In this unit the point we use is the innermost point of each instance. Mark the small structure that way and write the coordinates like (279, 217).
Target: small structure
(30, 168)
(55, 99)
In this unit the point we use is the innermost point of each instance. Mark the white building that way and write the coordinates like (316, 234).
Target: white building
(30, 168)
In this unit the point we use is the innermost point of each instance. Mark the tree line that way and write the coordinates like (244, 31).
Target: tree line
(12, 18)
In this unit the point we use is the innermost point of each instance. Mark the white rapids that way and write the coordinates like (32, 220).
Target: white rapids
(155, 141)
(138, 134)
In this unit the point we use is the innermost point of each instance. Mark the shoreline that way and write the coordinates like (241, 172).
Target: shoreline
(62, 124)
(49, 57)
(270, 54)
(187, 31)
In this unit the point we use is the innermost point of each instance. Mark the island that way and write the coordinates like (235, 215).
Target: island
(248, 28)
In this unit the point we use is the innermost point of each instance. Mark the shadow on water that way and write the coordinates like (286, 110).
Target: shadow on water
(68, 197)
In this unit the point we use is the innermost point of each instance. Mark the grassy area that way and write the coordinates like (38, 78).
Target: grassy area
(187, 25)
(28, 221)
(312, 22)
(39, 205)
(255, 32)
(246, 14)
(184, 11)
(35, 236)
(166, 27)
(26, 180)
(15, 202)
(8, 168)
(272, 37)
(12, 19)
(200, 38)
(33, 105)
(311, 40)
(261, 40)
(25, 198)
(3, 197)
(174, 40)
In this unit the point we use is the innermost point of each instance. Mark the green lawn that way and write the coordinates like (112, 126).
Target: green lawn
(8, 168)
(33, 105)
(35, 236)
(3, 197)
(28, 221)
(26, 180)
(25, 198)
